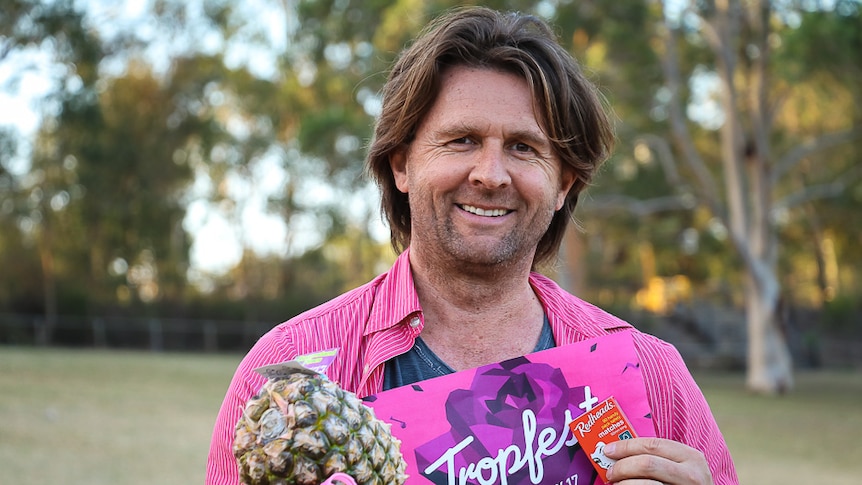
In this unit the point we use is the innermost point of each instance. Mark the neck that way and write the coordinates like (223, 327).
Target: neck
(471, 287)
(477, 317)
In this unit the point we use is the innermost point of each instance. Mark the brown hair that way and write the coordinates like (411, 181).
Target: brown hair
(567, 103)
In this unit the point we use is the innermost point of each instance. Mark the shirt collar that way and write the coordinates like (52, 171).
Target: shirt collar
(572, 318)
(396, 298)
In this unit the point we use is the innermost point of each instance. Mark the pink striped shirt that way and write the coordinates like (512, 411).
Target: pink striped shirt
(381, 319)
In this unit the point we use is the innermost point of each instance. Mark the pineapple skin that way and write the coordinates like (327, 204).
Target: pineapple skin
(301, 429)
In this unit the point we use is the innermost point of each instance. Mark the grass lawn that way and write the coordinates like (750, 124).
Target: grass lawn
(109, 417)
(808, 436)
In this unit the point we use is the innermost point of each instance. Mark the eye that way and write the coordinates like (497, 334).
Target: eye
(461, 141)
(523, 148)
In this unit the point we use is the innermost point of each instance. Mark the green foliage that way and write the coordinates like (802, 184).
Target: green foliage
(841, 316)
(96, 221)
(825, 42)
(807, 99)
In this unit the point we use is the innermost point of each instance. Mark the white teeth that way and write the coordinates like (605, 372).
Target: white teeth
(483, 212)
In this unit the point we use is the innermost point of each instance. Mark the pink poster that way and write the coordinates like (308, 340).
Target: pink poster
(508, 423)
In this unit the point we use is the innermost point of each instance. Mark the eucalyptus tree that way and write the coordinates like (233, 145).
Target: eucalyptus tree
(101, 197)
(733, 122)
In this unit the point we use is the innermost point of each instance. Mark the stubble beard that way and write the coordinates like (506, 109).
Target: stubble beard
(479, 254)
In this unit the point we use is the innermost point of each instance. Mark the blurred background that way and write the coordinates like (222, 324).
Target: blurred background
(180, 176)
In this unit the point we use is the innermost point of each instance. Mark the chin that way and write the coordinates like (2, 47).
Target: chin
(477, 255)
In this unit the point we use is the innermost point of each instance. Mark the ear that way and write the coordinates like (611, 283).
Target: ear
(567, 180)
(398, 164)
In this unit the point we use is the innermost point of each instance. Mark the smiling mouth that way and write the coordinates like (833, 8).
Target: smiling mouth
(484, 212)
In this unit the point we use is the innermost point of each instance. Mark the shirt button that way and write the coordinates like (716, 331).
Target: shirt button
(415, 322)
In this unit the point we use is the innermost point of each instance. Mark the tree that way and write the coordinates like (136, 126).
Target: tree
(821, 60)
(756, 154)
(112, 170)
(103, 198)
(42, 194)
(737, 161)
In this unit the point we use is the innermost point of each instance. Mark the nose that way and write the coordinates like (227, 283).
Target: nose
(490, 170)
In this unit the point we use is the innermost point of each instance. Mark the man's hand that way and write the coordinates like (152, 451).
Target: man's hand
(651, 460)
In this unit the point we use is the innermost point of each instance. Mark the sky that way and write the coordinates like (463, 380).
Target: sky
(18, 104)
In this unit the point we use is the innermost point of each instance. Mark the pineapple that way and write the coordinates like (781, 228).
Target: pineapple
(303, 428)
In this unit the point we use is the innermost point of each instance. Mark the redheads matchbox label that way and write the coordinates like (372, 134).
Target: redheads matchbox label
(599, 426)
(509, 423)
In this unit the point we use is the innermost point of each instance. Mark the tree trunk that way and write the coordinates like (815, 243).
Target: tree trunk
(745, 154)
(571, 273)
(44, 333)
(770, 369)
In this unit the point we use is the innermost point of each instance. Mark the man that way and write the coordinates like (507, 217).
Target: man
(488, 133)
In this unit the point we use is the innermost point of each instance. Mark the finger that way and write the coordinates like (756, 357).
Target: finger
(647, 469)
(657, 459)
(640, 481)
(668, 449)
(644, 469)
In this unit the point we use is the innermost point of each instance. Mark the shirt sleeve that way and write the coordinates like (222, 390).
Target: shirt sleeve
(680, 410)
(222, 467)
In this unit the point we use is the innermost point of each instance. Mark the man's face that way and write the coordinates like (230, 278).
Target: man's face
(481, 176)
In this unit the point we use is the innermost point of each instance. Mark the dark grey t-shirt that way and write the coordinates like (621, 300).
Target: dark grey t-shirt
(420, 363)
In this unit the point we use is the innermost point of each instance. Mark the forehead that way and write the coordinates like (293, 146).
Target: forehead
(471, 95)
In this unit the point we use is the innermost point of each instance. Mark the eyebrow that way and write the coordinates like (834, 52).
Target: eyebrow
(450, 132)
(531, 137)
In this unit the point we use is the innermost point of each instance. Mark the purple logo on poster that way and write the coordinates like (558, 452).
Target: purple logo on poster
(508, 423)
(483, 447)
